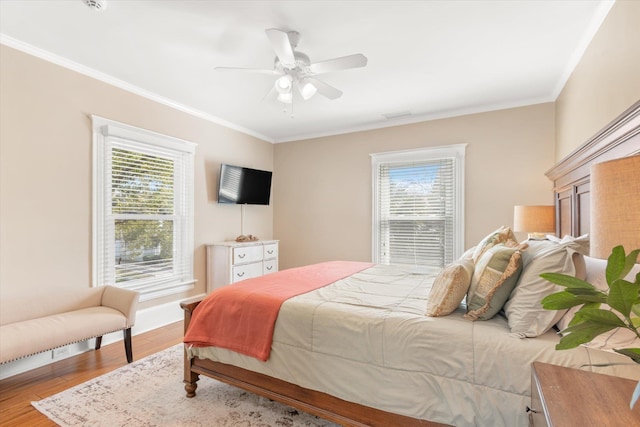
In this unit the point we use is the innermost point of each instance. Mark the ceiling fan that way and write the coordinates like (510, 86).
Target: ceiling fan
(296, 70)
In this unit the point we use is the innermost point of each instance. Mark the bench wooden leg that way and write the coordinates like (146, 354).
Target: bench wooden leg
(98, 342)
(127, 344)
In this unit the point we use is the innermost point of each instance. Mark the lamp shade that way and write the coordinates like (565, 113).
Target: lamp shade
(307, 89)
(535, 220)
(285, 98)
(615, 206)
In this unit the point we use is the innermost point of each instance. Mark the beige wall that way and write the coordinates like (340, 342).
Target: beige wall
(605, 82)
(45, 173)
(323, 186)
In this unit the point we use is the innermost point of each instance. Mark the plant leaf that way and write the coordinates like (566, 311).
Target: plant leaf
(619, 264)
(629, 262)
(601, 317)
(577, 319)
(633, 353)
(615, 264)
(566, 281)
(581, 333)
(588, 295)
(560, 301)
(623, 296)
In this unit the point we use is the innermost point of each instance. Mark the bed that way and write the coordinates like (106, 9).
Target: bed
(361, 351)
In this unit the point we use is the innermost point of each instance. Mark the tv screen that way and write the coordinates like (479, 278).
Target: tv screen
(243, 186)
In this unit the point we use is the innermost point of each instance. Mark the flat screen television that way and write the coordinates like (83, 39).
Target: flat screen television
(243, 186)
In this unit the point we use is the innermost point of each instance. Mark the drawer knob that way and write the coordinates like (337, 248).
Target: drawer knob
(241, 255)
(240, 274)
(269, 267)
(270, 252)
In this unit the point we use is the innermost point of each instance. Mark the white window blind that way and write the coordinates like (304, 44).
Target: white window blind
(418, 213)
(143, 210)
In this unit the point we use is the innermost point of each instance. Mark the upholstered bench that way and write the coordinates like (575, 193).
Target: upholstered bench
(41, 323)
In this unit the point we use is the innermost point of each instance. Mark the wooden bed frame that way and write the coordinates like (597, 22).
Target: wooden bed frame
(314, 402)
(571, 183)
(571, 189)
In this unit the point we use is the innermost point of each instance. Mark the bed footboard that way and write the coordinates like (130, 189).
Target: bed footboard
(317, 403)
(190, 377)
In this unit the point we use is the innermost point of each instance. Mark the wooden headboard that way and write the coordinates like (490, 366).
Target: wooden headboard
(571, 176)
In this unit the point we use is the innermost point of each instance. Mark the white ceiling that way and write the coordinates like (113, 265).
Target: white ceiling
(430, 58)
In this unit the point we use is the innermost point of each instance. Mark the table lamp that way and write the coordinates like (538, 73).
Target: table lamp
(537, 221)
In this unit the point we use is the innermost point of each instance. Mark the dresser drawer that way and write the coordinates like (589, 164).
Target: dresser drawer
(270, 266)
(247, 271)
(270, 251)
(247, 254)
(231, 262)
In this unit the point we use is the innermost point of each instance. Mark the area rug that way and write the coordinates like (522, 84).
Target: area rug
(149, 392)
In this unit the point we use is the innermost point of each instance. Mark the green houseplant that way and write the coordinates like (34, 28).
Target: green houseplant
(591, 320)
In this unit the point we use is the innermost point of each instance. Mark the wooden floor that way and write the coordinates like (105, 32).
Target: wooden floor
(17, 392)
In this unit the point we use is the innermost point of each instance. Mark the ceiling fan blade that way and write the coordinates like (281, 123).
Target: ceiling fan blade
(343, 63)
(249, 70)
(325, 89)
(282, 46)
(270, 95)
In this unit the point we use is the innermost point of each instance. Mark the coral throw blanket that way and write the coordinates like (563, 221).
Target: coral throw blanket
(241, 317)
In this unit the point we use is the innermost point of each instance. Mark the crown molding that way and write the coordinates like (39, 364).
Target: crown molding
(113, 81)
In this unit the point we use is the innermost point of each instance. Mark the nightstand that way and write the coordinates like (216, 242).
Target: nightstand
(571, 397)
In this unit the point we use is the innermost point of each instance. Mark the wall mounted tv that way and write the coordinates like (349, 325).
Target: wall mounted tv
(243, 186)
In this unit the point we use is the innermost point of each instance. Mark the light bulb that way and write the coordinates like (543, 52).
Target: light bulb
(284, 84)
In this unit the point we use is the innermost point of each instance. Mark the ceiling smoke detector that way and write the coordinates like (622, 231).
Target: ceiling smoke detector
(96, 5)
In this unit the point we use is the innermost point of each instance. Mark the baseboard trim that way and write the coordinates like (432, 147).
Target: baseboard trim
(147, 320)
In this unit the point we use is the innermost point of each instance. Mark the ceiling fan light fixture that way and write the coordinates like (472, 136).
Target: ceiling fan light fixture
(284, 84)
(307, 89)
(294, 68)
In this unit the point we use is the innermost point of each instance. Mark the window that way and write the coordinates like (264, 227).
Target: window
(143, 210)
(418, 206)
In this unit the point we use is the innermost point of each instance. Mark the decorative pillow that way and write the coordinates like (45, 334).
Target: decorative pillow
(501, 235)
(467, 255)
(449, 288)
(494, 277)
(616, 338)
(524, 310)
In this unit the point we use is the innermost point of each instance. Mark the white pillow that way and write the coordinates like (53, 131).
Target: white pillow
(616, 338)
(524, 309)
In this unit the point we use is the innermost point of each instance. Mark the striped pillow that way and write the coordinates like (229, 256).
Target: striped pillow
(501, 235)
(495, 275)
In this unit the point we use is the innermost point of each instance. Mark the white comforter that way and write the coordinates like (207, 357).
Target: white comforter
(365, 339)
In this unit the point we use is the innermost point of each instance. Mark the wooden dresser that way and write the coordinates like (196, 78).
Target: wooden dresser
(565, 397)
